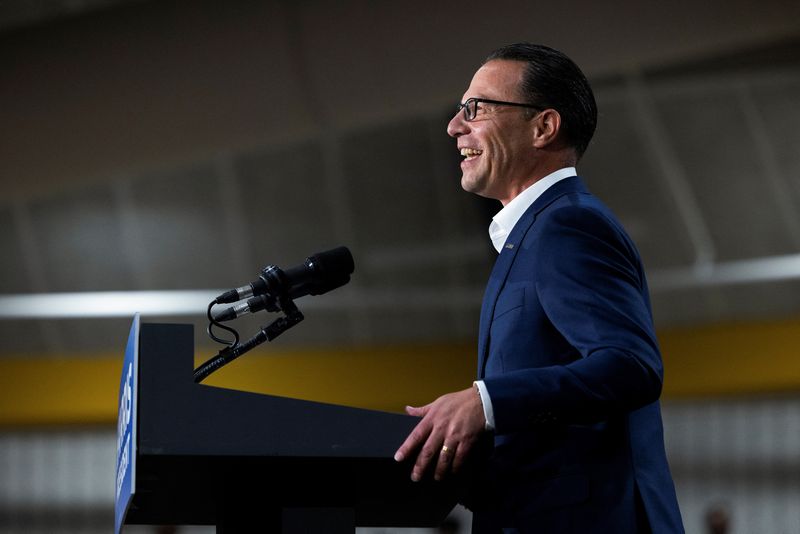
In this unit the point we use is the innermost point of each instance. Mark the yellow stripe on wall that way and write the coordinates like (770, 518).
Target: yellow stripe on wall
(712, 360)
(732, 359)
(43, 391)
(386, 378)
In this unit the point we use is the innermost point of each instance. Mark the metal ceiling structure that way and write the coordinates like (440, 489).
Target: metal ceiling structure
(195, 161)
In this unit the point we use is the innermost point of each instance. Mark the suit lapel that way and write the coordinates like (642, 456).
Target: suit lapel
(502, 265)
(496, 281)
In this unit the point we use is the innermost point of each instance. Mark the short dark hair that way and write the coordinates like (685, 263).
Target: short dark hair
(552, 80)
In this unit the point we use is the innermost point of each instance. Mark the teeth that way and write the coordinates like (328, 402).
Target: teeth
(468, 152)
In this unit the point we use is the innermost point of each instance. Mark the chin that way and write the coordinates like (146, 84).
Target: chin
(470, 186)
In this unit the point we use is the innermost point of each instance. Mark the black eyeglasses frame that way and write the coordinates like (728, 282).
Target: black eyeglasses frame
(470, 106)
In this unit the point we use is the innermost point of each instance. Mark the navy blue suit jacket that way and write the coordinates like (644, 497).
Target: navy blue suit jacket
(570, 359)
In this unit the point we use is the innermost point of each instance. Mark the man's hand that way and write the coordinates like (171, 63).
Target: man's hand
(449, 428)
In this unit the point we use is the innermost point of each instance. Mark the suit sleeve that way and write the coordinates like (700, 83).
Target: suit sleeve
(590, 284)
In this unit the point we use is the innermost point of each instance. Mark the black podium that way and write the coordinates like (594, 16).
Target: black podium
(258, 463)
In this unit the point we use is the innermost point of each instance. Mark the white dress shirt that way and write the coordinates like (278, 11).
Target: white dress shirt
(502, 224)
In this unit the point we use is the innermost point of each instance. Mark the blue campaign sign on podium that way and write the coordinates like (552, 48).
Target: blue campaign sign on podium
(126, 427)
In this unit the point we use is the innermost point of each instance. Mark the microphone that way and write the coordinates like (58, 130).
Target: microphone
(319, 274)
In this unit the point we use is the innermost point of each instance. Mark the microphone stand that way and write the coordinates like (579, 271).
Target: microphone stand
(291, 317)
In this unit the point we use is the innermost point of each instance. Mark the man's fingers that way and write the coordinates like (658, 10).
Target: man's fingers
(424, 458)
(418, 411)
(453, 420)
(461, 453)
(446, 455)
(413, 441)
(417, 436)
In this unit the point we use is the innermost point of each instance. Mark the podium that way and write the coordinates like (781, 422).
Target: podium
(245, 462)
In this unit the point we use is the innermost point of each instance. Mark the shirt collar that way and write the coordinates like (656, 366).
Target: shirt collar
(503, 222)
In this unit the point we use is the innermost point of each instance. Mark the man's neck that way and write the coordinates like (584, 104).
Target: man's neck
(507, 218)
(541, 171)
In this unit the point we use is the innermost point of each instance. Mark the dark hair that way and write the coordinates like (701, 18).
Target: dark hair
(552, 80)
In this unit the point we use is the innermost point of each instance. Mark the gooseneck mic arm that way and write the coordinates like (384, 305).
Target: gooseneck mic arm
(267, 333)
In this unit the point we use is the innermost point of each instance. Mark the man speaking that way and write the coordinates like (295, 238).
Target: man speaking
(569, 369)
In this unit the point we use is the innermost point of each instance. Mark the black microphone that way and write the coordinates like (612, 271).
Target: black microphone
(319, 274)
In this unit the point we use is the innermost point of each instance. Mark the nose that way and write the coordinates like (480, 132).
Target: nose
(457, 125)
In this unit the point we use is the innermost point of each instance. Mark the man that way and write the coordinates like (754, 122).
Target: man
(569, 367)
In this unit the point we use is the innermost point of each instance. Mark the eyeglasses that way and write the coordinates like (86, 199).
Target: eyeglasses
(470, 107)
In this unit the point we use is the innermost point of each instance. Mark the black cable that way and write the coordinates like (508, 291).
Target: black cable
(213, 322)
(268, 333)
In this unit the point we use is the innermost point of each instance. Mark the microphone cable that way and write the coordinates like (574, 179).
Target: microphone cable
(291, 317)
(213, 322)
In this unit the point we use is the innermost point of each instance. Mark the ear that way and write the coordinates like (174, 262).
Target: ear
(546, 126)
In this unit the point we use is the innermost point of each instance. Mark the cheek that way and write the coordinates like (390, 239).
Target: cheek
(511, 151)
(501, 155)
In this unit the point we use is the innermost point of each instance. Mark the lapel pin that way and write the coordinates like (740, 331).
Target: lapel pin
(509, 245)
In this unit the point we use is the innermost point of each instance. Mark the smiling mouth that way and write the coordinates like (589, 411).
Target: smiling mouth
(470, 153)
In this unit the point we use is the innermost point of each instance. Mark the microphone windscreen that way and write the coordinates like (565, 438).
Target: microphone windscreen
(331, 269)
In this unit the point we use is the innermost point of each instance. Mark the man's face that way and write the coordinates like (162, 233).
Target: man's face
(497, 144)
